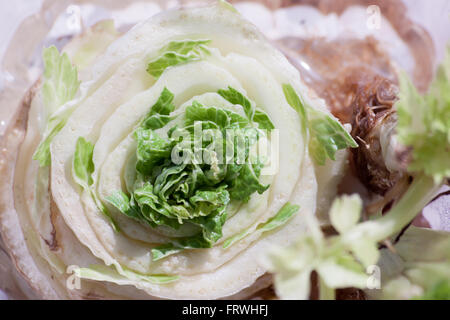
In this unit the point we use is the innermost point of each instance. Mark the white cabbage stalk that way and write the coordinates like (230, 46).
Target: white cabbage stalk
(65, 226)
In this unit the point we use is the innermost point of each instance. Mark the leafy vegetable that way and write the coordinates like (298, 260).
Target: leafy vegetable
(61, 79)
(158, 116)
(247, 183)
(218, 118)
(281, 218)
(178, 52)
(440, 291)
(82, 168)
(336, 263)
(60, 86)
(151, 150)
(83, 165)
(424, 123)
(104, 273)
(340, 260)
(253, 114)
(228, 6)
(165, 251)
(263, 120)
(418, 268)
(294, 101)
(84, 49)
(42, 153)
(120, 200)
(198, 189)
(326, 134)
(235, 97)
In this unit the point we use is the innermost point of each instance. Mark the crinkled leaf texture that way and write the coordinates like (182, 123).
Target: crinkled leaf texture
(104, 273)
(424, 123)
(60, 86)
(178, 52)
(173, 217)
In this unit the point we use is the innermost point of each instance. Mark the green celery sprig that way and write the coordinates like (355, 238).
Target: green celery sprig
(424, 127)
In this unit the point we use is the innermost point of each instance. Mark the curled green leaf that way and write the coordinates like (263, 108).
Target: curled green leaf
(176, 53)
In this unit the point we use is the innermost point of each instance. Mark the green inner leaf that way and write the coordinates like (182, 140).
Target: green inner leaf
(60, 86)
(83, 167)
(280, 219)
(104, 273)
(326, 134)
(216, 170)
(254, 115)
(424, 123)
(158, 116)
(178, 52)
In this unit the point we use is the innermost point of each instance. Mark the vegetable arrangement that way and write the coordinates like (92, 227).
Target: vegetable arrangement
(186, 159)
(341, 260)
(170, 164)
